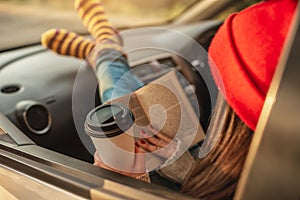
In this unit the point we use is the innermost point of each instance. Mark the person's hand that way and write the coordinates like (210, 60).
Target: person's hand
(151, 141)
(155, 142)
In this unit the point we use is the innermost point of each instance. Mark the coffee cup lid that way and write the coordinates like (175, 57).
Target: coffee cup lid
(108, 120)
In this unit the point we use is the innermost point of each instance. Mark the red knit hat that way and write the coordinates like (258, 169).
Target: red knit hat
(246, 51)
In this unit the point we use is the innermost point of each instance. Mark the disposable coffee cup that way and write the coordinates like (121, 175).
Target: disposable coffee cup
(107, 125)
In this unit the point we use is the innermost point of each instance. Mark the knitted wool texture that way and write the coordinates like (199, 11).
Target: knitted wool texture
(245, 52)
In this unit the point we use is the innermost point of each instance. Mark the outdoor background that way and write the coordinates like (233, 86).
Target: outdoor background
(22, 21)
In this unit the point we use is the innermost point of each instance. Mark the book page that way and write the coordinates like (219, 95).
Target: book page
(140, 118)
(164, 104)
(168, 109)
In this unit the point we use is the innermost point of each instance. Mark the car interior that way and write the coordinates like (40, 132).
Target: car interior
(43, 106)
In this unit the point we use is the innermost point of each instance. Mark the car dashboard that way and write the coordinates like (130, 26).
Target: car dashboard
(43, 95)
(37, 85)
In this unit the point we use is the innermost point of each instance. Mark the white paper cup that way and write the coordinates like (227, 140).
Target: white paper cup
(107, 125)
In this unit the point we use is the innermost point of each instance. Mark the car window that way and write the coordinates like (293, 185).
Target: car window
(237, 6)
(23, 21)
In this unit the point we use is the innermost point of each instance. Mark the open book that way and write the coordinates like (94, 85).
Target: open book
(164, 104)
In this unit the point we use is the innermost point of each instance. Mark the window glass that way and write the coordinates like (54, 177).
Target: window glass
(236, 7)
(23, 21)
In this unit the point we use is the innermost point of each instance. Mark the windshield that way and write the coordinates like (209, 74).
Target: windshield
(23, 21)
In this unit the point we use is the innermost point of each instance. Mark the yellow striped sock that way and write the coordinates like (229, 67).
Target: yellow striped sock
(94, 18)
(67, 43)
